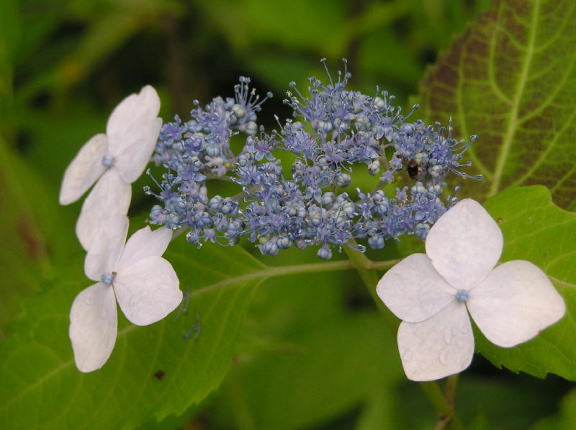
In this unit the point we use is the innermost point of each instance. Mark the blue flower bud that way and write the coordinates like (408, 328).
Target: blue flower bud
(324, 253)
(107, 278)
(107, 160)
(269, 248)
(376, 242)
(343, 179)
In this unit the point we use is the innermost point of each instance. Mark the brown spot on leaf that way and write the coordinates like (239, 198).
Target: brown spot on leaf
(33, 243)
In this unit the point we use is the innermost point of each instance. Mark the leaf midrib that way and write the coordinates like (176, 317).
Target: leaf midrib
(513, 119)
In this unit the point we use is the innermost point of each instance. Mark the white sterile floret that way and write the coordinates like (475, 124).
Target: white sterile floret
(117, 158)
(133, 274)
(434, 293)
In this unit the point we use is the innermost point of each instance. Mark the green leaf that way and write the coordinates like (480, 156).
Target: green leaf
(154, 371)
(313, 376)
(9, 38)
(511, 80)
(298, 24)
(565, 419)
(519, 400)
(380, 410)
(538, 231)
(31, 229)
(310, 357)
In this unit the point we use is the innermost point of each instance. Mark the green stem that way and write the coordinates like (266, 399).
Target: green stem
(443, 403)
(366, 268)
(295, 269)
(435, 395)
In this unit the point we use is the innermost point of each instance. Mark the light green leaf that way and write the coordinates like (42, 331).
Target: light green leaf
(511, 80)
(154, 371)
(538, 231)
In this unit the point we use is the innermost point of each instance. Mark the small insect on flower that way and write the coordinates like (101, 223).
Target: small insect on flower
(194, 331)
(414, 169)
(183, 307)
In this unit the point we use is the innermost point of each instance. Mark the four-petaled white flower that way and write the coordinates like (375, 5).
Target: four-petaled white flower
(132, 273)
(117, 158)
(433, 293)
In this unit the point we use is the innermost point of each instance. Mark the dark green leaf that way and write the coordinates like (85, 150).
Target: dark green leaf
(565, 419)
(313, 376)
(31, 229)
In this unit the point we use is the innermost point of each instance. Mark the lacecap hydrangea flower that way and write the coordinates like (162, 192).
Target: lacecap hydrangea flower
(132, 273)
(113, 161)
(435, 293)
(313, 202)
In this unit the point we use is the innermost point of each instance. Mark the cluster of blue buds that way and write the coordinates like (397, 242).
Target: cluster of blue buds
(295, 185)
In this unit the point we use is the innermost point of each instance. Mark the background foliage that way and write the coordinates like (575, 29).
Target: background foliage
(261, 343)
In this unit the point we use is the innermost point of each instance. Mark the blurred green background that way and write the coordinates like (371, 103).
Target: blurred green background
(64, 64)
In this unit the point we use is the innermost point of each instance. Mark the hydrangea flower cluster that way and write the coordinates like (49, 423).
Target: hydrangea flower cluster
(332, 132)
(313, 202)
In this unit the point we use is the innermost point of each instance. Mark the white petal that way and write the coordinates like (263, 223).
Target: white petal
(132, 160)
(106, 248)
(132, 131)
(514, 303)
(464, 244)
(110, 197)
(414, 290)
(147, 290)
(134, 108)
(440, 346)
(93, 326)
(145, 243)
(84, 169)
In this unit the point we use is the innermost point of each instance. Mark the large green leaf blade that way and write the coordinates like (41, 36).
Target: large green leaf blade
(32, 232)
(511, 79)
(535, 229)
(311, 356)
(313, 375)
(154, 371)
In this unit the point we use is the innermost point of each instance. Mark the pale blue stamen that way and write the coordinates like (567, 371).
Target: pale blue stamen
(107, 160)
(107, 278)
(462, 296)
